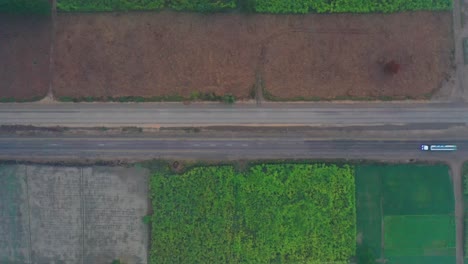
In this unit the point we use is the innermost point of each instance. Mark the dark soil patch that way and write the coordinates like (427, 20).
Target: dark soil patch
(24, 57)
(339, 56)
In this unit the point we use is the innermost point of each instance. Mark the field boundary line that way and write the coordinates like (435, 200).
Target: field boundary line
(29, 212)
(83, 218)
(53, 30)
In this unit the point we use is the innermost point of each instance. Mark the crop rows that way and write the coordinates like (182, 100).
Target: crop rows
(272, 213)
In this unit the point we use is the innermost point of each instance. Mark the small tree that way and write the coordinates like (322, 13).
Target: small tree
(391, 67)
(229, 99)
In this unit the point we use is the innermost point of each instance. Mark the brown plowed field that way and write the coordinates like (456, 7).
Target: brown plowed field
(296, 56)
(24, 57)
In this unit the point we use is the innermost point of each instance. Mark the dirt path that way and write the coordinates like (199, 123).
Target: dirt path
(455, 167)
(460, 31)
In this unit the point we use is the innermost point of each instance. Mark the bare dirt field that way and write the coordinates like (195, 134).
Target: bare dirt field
(24, 57)
(295, 56)
(329, 56)
(57, 214)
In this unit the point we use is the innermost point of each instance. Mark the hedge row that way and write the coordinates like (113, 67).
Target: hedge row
(270, 214)
(125, 5)
(109, 5)
(351, 6)
(260, 6)
(41, 7)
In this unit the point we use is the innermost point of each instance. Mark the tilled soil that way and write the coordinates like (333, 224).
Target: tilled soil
(294, 56)
(330, 56)
(154, 54)
(24, 57)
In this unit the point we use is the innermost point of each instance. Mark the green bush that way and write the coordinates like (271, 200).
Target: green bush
(40, 7)
(202, 5)
(109, 5)
(229, 99)
(352, 6)
(286, 213)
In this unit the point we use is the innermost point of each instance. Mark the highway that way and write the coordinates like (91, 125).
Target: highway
(209, 114)
(132, 148)
(217, 148)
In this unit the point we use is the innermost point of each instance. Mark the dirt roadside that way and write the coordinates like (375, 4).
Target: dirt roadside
(384, 132)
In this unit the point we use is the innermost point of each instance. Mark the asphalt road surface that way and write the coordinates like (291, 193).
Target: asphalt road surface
(111, 114)
(218, 148)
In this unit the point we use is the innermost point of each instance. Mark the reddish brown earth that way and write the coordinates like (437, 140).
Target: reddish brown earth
(24, 57)
(154, 54)
(330, 56)
(308, 56)
(296, 56)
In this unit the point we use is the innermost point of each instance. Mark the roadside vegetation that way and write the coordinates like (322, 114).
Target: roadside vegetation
(26, 7)
(343, 6)
(108, 5)
(285, 213)
(259, 6)
(194, 97)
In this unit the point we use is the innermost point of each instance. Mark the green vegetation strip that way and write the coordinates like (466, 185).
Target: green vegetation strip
(109, 5)
(260, 6)
(271, 213)
(125, 5)
(195, 96)
(349, 6)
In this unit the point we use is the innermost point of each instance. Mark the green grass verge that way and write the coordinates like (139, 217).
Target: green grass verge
(270, 213)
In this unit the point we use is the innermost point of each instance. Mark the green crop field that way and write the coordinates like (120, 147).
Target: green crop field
(409, 209)
(465, 204)
(270, 213)
(414, 235)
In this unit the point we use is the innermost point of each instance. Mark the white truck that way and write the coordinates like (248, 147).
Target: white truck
(438, 147)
